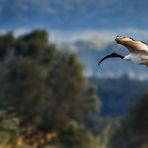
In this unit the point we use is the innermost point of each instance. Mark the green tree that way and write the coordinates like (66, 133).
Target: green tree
(7, 42)
(45, 86)
(132, 131)
(26, 89)
(32, 44)
(74, 135)
(67, 87)
(9, 127)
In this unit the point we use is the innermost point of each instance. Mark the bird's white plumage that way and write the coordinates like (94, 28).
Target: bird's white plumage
(138, 50)
(134, 57)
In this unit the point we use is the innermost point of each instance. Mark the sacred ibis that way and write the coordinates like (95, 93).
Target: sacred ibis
(138, 50)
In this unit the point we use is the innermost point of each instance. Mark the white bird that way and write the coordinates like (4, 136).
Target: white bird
(138, 50)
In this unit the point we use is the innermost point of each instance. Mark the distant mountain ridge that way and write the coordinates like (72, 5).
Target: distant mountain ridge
(118, 95)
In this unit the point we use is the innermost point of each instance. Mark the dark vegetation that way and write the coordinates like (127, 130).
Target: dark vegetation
(118, 94)
(132, 132)
(45, 90)
(47, 102)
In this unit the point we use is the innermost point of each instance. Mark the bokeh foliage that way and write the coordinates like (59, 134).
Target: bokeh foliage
(44, 87)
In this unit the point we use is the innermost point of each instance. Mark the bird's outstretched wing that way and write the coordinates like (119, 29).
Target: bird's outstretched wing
(132, 45)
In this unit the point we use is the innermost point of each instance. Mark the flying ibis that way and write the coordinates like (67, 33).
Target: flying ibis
(138, 50)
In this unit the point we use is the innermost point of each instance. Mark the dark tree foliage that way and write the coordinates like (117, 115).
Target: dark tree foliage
(75, 135)
(33, 44)
(26, 87)
(7, 42)
(132, 131)
(45, 86)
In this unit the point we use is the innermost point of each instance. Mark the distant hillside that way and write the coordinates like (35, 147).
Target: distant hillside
(118, 95)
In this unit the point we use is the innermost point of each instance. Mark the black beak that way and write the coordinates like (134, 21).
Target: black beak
(113, 55)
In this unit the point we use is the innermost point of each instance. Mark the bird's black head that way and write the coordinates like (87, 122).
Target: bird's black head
(113, 54)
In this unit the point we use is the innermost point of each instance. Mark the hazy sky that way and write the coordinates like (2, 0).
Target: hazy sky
(75, 16)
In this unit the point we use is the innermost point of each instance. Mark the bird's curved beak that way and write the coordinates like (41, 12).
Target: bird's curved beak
(106, 57)
(113, 55)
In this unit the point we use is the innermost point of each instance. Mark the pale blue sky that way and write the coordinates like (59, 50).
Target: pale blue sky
(74, 17)
(74, 14)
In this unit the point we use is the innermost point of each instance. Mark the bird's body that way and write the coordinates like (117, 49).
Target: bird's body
(138, 50)
(136, 58)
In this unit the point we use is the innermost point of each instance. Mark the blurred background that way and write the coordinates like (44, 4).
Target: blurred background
(53, 94)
